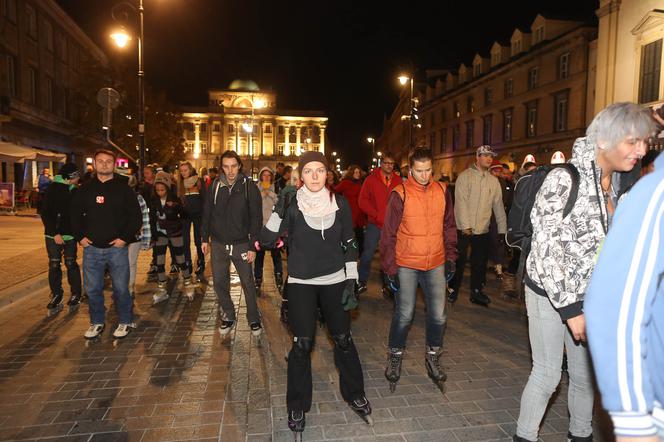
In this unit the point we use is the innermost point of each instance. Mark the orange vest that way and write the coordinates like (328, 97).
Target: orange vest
(420, 243)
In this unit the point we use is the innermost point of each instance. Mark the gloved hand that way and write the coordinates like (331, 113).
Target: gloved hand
(392, 282)
(283, 200)
(450, 270)
(349, 298)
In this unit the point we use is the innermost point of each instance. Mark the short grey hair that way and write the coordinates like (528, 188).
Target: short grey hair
(619, 121)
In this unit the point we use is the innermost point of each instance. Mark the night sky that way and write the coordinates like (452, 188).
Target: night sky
(341, 57)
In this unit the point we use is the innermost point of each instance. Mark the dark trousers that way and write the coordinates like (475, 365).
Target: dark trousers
(479, 245)
(186, 237)
(359, 236)
(260, 260)
(222, 256)
(303, 300)
(55, 253)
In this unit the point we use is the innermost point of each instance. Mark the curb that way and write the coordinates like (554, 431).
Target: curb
(23, 289)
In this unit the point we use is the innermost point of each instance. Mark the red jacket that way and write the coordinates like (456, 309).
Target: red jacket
(350, 189)
(374, 194)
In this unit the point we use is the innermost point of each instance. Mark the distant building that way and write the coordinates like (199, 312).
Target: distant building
(41, 53)
(531, 95)
(246, 119)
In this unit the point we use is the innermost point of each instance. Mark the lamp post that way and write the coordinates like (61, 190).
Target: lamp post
(257, 103)
(403, 79)
(121, 39)
(372, 141)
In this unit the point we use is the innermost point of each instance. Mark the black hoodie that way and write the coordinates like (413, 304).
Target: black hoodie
(105, 211)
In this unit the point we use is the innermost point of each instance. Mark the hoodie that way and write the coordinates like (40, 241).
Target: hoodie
(624, 309)
(55, 208)
(232, 214)
(375, 193)
(268, 196)
(563, 250)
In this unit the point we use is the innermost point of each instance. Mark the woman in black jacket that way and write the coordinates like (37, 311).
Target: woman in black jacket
(322, 271)
(166, 213)
(191, 192)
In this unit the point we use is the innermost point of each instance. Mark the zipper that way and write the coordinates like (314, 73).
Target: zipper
(600, 199)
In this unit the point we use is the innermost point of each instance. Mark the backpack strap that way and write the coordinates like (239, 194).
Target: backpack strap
(574, 191)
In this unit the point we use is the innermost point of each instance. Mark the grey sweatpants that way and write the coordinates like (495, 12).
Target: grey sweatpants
(222, 256)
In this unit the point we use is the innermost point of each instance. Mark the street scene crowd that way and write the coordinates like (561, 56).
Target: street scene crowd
(577, 241)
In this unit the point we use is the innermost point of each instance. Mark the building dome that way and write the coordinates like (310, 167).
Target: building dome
(244, 85)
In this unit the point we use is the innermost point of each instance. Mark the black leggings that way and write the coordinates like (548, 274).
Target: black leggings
(303, 301)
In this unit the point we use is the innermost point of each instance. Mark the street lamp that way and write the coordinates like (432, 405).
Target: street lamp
(372, 141)
(121, 38)
(403, 79)
(256, 103)
(334, 154)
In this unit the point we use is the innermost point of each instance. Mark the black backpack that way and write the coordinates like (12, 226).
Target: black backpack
(519, 228)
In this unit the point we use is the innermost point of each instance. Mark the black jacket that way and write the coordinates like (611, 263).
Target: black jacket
(193, 202)
(232, 214)
(55, 209)
(105, 211)
(168, 217)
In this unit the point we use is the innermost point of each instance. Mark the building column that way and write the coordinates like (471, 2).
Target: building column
(607, 48)
(286, 140)
(262, 138)
(298, 142)
(321, 147)
(197, 139)
(237, 137)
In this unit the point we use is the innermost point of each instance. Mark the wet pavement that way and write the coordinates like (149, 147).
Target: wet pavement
(173, 378)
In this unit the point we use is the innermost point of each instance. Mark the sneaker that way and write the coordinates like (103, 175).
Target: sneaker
(174, 269)
(361, 288)
(256, 328)
(477, 297)
(94, 331)
(452, 295)
(122, 330)
(200, 269)
(226, 327)
(161, 295)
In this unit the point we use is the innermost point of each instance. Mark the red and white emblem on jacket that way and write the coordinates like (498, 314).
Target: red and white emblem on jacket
(100, 199)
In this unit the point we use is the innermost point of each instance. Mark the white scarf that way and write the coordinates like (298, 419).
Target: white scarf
(316, 204)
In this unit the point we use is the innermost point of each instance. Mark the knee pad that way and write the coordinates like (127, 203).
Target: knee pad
(301, 346)
(71, 263)
(343, 342)
(54, 264)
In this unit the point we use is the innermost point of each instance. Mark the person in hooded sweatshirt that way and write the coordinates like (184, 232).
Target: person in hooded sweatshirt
(322, 271)
(562, 258)
(269, 199)
(58, 234)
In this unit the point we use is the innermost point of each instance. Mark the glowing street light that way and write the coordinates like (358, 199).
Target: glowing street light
(121, 37)
(338, 160)
(403, 79)
(379, 153)
(334, 154)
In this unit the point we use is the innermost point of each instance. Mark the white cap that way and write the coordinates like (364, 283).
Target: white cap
(530, 158)
(558, 158)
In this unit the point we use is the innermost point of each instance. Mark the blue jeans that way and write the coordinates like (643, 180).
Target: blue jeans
(371, 239)
(433, 286)
(186, 232)
(95, 261)
(260, 259)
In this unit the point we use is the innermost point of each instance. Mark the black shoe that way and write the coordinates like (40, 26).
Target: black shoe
(296, 421)
(516, 438)
(256, 328)
(361, 288)
(200, 269)
(174, 269)
(477, 297)
(452, 295)
(571, 438)
(74, 300)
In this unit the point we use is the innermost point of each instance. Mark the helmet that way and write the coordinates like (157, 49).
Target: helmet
(558, 158)
(530, 158)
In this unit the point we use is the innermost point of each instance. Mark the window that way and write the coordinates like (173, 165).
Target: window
(216, 127)
(12, 84)
(61, 101)
(487, 128)
(48, 35)
(281, 130)
(9, 10)
(531, 119)
(268, 128)
(560, 105)
(507, 124)
(49, 94)
(280, 147)
(231, 129)
(509, 88)
(455, 137)
(432, 140)
(563, 66)
(533, 75)
(443, 115)
(470, 128)
(62, 47)
(32, 86)
(203, 147)
(204, 127)
(495, 59)
(455, 110)
(443, 140)
(539, 34)
(488, 96)
(651, 60)
(31, 20)
(516, 47)
(470, 104)
(477, 70)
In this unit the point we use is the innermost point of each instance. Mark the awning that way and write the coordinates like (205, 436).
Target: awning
(14, 153)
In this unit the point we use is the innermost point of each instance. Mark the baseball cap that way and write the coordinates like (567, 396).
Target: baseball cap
(486, 150)
(496, 164)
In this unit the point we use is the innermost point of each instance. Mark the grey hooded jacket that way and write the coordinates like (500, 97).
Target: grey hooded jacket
(563, 250)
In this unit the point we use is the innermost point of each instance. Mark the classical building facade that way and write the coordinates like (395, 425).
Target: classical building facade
(42, 51)
(246, 119)
(531, 96)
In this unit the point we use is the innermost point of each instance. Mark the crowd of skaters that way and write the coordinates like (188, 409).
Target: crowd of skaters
(330, 228)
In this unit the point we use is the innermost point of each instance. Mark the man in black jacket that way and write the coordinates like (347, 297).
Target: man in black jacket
(105, 217)
(232, 220)
(59, 238)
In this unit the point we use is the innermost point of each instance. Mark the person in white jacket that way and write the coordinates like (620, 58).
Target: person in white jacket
(477, 195)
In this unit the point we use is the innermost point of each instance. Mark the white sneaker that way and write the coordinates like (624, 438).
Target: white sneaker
(122, 330)
(94, 331)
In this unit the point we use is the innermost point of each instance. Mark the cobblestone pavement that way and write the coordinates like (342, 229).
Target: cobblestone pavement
(174, 379)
